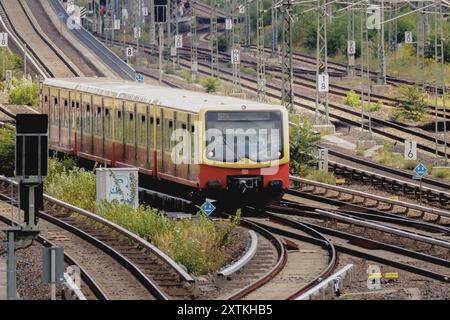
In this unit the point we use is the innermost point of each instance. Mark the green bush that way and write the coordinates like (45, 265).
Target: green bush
(322, 176)
(186, 75)
(210, 84)
(7, 150)
(352, 99)
(373, 106)
(223, 43)
(10, 62)
(71, 184)
(303, 146)
(198, 245)
(412, 102)
(441, 173)
(25, 94)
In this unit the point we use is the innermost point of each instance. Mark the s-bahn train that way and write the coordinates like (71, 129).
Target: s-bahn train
(215, 146)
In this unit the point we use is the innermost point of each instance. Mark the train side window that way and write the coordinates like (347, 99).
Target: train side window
(158, 122)
(107, 123)
(45, 98)
(78, 116)
(192, 129)
(168, 124)
(152, 120)
(98, 122)
(118, 128)
(183, 126)
(87, 119)
(56, 101)
(142, 130)
(130, 128)
(65, 114)
(73, 104)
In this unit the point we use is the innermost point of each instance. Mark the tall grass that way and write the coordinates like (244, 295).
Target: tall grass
(199, 244)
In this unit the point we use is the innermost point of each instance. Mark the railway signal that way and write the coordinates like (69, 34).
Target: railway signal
(323, 160)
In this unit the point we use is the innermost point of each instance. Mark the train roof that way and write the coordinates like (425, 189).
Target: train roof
(190, 101)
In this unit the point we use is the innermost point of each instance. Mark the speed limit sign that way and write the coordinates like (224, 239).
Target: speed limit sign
(130, 51)
(235, 56)
(179, 41)
(351, 47)
(322, 82)
(410, 150)
(3, 39)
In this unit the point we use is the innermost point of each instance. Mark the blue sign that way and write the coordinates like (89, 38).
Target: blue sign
(139, 77)
(420, 170)
(208, 207)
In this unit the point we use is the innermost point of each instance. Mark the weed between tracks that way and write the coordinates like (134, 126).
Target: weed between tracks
(199, 245)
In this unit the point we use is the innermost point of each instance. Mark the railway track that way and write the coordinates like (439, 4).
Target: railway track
(366, 248)
(138, 269)
(378, 124)
(93, 291)
(121, 68)
(22, 25)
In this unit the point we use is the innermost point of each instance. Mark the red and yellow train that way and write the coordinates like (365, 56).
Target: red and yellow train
(218, 147)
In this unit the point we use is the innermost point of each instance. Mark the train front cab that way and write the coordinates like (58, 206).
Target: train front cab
(246, 181)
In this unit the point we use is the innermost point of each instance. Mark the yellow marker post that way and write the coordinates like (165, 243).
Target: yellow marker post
(340, 181)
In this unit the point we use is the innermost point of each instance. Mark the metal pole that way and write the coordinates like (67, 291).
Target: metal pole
(214, 41)
(274, 13)
(420, 54)
(350, 37)
(261, 68)
(247, 34)
(53, 274)
(287, 90)
(194, 51)
(11, 288)
(321, 59)
(381, 53)
(161, 48)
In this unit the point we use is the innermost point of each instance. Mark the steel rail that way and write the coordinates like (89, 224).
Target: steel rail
(282, 259)
(124, 232)
(48, 43)
(374, 244)
(37, 62)
(85, 276)
(104, 53)
(367, 195)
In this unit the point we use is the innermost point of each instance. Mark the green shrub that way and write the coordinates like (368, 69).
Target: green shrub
(186, 75)
(199, 244)
(303, 146)
(322, 176)
(223, 43)
(373, 106)
(210, 84)
(7, 150)
(71, 184)
(352, 99)
(441, 173)
(397, 115)
(412, 102)
(25, 94)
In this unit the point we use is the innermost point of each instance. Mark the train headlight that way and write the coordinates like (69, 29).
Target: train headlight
(211, 154)
(279, 154)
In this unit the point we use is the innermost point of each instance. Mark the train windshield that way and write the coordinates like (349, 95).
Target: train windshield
(232, 136)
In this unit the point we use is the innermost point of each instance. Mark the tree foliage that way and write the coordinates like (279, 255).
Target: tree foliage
(7, 147)
(412, 104)
(210, 84)
(303, 145)
(25, 94)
